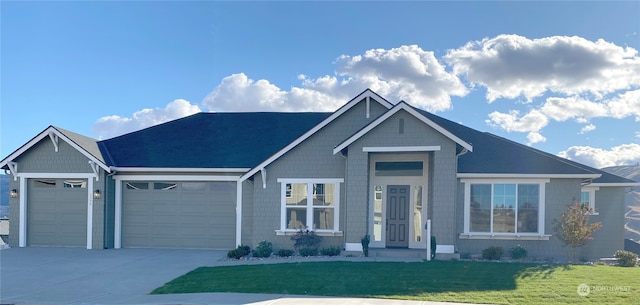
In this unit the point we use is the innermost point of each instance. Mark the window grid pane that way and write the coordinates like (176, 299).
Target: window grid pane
(310, 206)
(480, 208)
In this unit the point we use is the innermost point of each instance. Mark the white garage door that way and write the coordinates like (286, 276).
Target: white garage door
(178, 214)
(57, 212)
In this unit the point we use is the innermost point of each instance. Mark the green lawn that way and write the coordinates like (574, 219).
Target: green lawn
(473, 282)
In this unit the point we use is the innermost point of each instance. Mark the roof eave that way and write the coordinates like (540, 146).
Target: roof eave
(354, 101)
(533, 176)
(42, 135)
(391, 112)
(124, 169)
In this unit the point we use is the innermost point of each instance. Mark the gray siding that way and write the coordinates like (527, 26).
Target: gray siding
(313, 158)
(42, 158)
(442, 184)
(610, 237)
(14, 214)
(247, 213)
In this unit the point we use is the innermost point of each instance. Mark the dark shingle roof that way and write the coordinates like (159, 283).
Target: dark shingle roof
(210, 140)
(496, 155)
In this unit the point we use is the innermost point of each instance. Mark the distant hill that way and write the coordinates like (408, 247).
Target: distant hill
(632, 200)
(4, 196)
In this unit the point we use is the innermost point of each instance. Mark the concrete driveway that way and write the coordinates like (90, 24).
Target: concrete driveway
(125, 276)
(75, 276)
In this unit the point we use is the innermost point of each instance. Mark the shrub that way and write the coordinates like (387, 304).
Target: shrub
(308, 251)
(434, 246)
(285, 252)
(331, 251)
(573, 228)
(306, 239)
(264, 249)
(518, 252)
(365, 244)
(492, 253)
(626, 258)
(239, 252)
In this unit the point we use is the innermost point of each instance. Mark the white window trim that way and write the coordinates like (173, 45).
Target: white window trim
(309, 181)
(592, 197)
(540, 235)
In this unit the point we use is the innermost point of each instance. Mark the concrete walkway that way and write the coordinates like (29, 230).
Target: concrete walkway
(126, 276)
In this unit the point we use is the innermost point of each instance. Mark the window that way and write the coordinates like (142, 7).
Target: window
(164, 186)
(399, 168)
(75, 184)
(137, 185)
(504, 208)
(588, 198)
(310, 205)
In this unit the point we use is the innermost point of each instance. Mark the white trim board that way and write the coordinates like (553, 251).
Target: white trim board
(22, 215)
(524, 176)
(401, 106)
(174, 178)
(178, 169)
(46, 133)
(402, 149)
(331, 118)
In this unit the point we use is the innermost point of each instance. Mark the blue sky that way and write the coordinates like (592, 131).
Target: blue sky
(562, 77)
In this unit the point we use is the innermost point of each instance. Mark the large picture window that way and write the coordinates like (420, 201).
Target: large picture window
(312, 204)
(504, 208)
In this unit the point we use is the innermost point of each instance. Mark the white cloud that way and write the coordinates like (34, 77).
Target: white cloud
(405, 73)
(532, 123)
(111, 126)
(510, 66)
(562, 109)
(587, 128)
(625, 154)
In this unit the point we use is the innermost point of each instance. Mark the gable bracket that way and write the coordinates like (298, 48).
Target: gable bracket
(96, 169)
(263, 172)
(54, 140)
(13, 168)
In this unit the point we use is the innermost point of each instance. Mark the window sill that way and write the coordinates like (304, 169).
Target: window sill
(503, 236)
(319, 233)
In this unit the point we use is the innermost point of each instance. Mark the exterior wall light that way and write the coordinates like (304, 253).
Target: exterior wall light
(97, 194)
(13, 193)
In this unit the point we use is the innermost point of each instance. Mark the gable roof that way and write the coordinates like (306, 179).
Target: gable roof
(85, 145)
(219, 140)
(354, 101)
(400, 106)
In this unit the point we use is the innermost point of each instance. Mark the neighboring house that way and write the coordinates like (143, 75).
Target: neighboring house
(216, 180)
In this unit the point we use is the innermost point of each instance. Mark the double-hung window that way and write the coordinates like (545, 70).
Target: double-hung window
(504, 208)
(312, 204)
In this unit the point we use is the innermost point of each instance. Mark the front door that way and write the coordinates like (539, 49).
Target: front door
(397, 216)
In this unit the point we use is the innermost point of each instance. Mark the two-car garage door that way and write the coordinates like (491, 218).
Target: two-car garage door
(178, 214)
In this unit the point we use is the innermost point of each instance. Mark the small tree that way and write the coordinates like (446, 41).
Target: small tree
(573, 228)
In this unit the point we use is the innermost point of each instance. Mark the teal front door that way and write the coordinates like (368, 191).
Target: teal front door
(397, 216)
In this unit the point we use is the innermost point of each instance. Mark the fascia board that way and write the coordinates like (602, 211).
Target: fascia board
(42, 135)
(388, 114)
(315, 129)
(515, 175)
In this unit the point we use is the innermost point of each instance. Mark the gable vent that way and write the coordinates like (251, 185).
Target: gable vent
(401, 126)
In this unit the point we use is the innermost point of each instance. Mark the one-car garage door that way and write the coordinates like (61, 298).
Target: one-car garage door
(178, 214)
(57, 212)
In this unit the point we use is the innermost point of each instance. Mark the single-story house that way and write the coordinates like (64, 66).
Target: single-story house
(218, 180)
